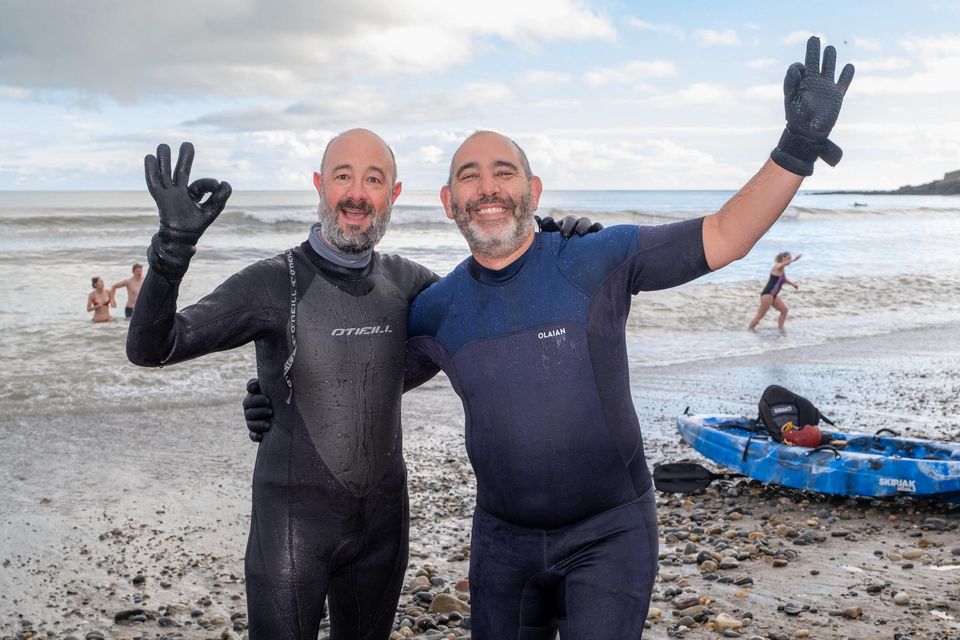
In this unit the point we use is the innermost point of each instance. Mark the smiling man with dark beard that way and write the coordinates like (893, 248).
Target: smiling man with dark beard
(530, 330)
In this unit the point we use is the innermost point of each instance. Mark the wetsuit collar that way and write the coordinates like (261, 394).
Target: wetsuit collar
(501, 276)
(349, 260)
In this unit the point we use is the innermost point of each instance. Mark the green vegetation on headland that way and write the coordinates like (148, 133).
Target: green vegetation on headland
(948, 186)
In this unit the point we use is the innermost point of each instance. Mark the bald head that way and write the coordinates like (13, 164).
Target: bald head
(521, 156)
(360, 143)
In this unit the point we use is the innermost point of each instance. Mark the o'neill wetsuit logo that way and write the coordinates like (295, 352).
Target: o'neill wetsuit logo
(553, 333)
(362, 331)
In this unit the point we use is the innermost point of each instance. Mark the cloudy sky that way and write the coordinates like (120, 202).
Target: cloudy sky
(601, 94)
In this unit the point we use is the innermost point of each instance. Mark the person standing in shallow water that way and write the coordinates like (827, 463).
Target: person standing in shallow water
(132, 285)
(768, 297)
(99, 301)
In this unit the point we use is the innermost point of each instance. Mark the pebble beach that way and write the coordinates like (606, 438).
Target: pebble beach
(128, 524)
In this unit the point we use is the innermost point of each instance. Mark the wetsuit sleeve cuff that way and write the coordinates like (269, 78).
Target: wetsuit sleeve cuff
(169, 258)
(796, 153)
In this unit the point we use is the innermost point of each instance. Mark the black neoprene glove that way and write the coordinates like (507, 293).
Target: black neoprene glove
(568, 226)
(183, 214)
(812, 103)
(257, 410)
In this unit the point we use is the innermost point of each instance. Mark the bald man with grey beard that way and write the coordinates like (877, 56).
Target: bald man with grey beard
(329, 517)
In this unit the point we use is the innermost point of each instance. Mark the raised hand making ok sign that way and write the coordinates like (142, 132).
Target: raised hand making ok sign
(184, 214)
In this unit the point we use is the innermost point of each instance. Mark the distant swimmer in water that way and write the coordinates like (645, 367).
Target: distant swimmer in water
(768, 297)
(132, 285)
(99, 301)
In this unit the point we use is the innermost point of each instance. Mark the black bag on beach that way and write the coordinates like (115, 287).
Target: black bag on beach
(778, 406)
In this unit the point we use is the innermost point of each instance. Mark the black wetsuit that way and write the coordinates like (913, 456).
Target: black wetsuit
(564, 534)
(773, 285)
(329, 512)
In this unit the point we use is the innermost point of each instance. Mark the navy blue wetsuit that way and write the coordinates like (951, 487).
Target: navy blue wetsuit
(564, 533)
(329, 515)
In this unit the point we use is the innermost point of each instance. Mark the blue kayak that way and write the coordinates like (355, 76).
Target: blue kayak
(855, 464)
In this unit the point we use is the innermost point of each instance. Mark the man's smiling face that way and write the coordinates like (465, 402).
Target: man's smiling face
(357, 191)
(491, 196)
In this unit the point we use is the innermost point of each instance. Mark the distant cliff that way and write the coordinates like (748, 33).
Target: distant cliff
(948, 186)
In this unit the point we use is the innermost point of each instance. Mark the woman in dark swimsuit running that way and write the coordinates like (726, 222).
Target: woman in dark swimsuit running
(768, 297)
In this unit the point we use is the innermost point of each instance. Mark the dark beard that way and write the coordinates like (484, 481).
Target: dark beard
(504, 243)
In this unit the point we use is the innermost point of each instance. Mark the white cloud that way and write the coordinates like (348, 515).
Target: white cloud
(363, 105)
(431, 154)
(711, 37)
(80, 159)
(439, 136)
(557, 104)
(308, 145)
(939, 60)
(951, 6)
(938, 79)
(699, 93)
(867, 44)
(929, 145)
(801, 37)
(586, 159)
(763, 63)
(933, 48)
(724, 158)
(221, 48)
(631, 72)
(668, 151)
(15, 93)
(540, 78)
(643, 25)
(765, 92)
(881, 64)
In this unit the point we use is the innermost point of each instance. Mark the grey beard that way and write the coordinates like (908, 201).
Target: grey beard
(356, 242)
(501, 244)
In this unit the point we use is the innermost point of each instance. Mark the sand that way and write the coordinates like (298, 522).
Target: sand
(109, 510)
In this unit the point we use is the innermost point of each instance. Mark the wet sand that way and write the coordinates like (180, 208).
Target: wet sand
(133, 523)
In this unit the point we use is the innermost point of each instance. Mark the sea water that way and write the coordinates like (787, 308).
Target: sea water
(885, 265)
